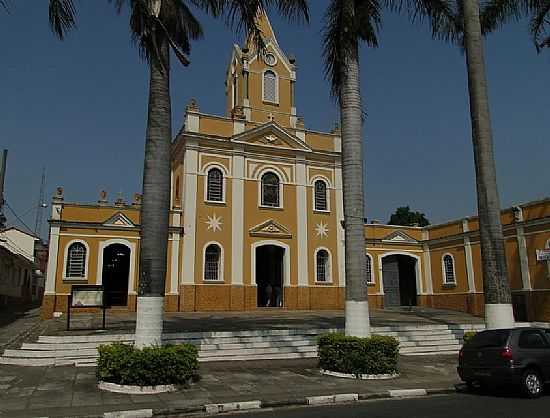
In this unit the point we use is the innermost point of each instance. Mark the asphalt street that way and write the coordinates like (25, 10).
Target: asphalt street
(448, 406)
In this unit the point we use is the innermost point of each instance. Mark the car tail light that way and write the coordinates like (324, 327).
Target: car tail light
(506, 353)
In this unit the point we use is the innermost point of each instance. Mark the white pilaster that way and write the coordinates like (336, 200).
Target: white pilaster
(469, 265)
(237, 219)
(428, 268)
(523, 258)
(301, 236)
(51, 272)
(189, 215)
(340, 236)
(174, 258)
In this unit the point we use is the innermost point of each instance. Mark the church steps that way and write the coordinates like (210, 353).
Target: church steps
(81, 350)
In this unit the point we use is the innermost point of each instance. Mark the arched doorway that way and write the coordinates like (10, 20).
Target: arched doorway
(399, 279)
(115, 274)
(269, 276)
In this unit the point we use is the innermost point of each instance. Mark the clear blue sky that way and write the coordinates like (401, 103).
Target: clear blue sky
(79, 108)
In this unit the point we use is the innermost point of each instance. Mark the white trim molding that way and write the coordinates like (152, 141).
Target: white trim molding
(86, 260)
(220, 262)
(328, 272)
(327, 193)
(263, 172)
(302, 215)
(286, 260)
(444, 272)
(237, 220)
(372, 275)
(132, 270)
(51, 272)
(277, 78)
(418, 270)
(206, 169)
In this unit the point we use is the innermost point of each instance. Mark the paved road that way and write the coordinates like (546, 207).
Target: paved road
(452, 406)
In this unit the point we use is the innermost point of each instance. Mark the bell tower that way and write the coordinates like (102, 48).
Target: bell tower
(260, 86)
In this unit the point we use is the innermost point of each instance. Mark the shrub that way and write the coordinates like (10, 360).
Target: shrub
(373, 355)
(468, 336)
(166, 365)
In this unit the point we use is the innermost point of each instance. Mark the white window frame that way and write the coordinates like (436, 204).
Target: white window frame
(328, 188)
(548, 261)
(66, 259)
(270, 69)
(372, 280)
(260, 188)
(221, 263)
(206, 170)
(445, 282)
(329, 268)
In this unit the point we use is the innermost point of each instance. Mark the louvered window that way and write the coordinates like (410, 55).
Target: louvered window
(322, 266)
(215, 185)
(320, 195)
(212, 258)
(270, 87)
(369, 269)
(76, 260)
(449, 267)
(270, 190)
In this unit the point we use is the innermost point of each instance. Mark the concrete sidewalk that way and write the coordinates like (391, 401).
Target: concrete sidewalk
(70, 391)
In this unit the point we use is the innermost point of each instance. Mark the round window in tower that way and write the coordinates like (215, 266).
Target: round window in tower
(270, 59)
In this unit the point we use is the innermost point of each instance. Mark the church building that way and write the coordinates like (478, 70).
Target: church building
(256, 221)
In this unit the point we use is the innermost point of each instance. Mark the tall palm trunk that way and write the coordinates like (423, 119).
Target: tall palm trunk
(498, 307)
(156, 203)
(357, 305)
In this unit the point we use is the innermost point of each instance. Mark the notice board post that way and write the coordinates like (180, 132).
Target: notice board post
(86, 296)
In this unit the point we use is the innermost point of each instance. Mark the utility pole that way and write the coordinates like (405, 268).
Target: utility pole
(41, 205)
(2, 177)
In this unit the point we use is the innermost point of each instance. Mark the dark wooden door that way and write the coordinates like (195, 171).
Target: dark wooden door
(390, 278)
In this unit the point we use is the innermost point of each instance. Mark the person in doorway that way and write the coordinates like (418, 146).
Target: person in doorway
(268, 294)
(277, 296)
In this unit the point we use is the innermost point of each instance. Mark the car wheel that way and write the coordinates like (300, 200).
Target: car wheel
(532, 384)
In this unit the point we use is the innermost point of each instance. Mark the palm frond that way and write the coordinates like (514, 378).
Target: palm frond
(4, 5)
(341, 33)
(539, 26)
(242, 15)
(62, 14)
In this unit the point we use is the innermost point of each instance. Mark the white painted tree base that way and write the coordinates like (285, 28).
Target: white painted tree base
(357, 318)
(360, 376)
(499, 315)
(149, 318)
(136, 390)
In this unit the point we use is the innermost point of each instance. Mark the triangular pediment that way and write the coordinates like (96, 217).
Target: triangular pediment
(397, 237)
(270, 228)
(273, 136)
(119, 219)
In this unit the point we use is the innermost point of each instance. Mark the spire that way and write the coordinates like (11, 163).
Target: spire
(264, 24)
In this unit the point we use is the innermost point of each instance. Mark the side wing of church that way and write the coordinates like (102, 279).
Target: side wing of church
(256, 221)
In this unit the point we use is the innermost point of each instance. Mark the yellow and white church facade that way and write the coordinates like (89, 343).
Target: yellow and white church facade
(256, 221)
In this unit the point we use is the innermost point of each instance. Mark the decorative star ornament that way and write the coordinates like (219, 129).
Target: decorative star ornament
(322, 230)
(214, 223)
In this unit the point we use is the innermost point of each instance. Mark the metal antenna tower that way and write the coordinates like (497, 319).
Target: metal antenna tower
(41, 205)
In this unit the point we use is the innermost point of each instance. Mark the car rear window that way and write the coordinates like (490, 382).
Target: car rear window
(496, 338)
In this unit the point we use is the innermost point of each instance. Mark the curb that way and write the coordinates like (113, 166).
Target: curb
(339, 398)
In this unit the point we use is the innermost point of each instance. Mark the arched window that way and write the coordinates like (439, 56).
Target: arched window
(323, 266)
(212, 262)
(76, 261)
(270, 190)
(449, 269)
(270, 86)
(321, 202)
(215, 185)
(368, 269)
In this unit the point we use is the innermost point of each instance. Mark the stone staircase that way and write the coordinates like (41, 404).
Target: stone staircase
(272, 344)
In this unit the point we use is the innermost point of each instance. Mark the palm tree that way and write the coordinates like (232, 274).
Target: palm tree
(347, 22)
(464, 27)
(157, 27)
(345, 25)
